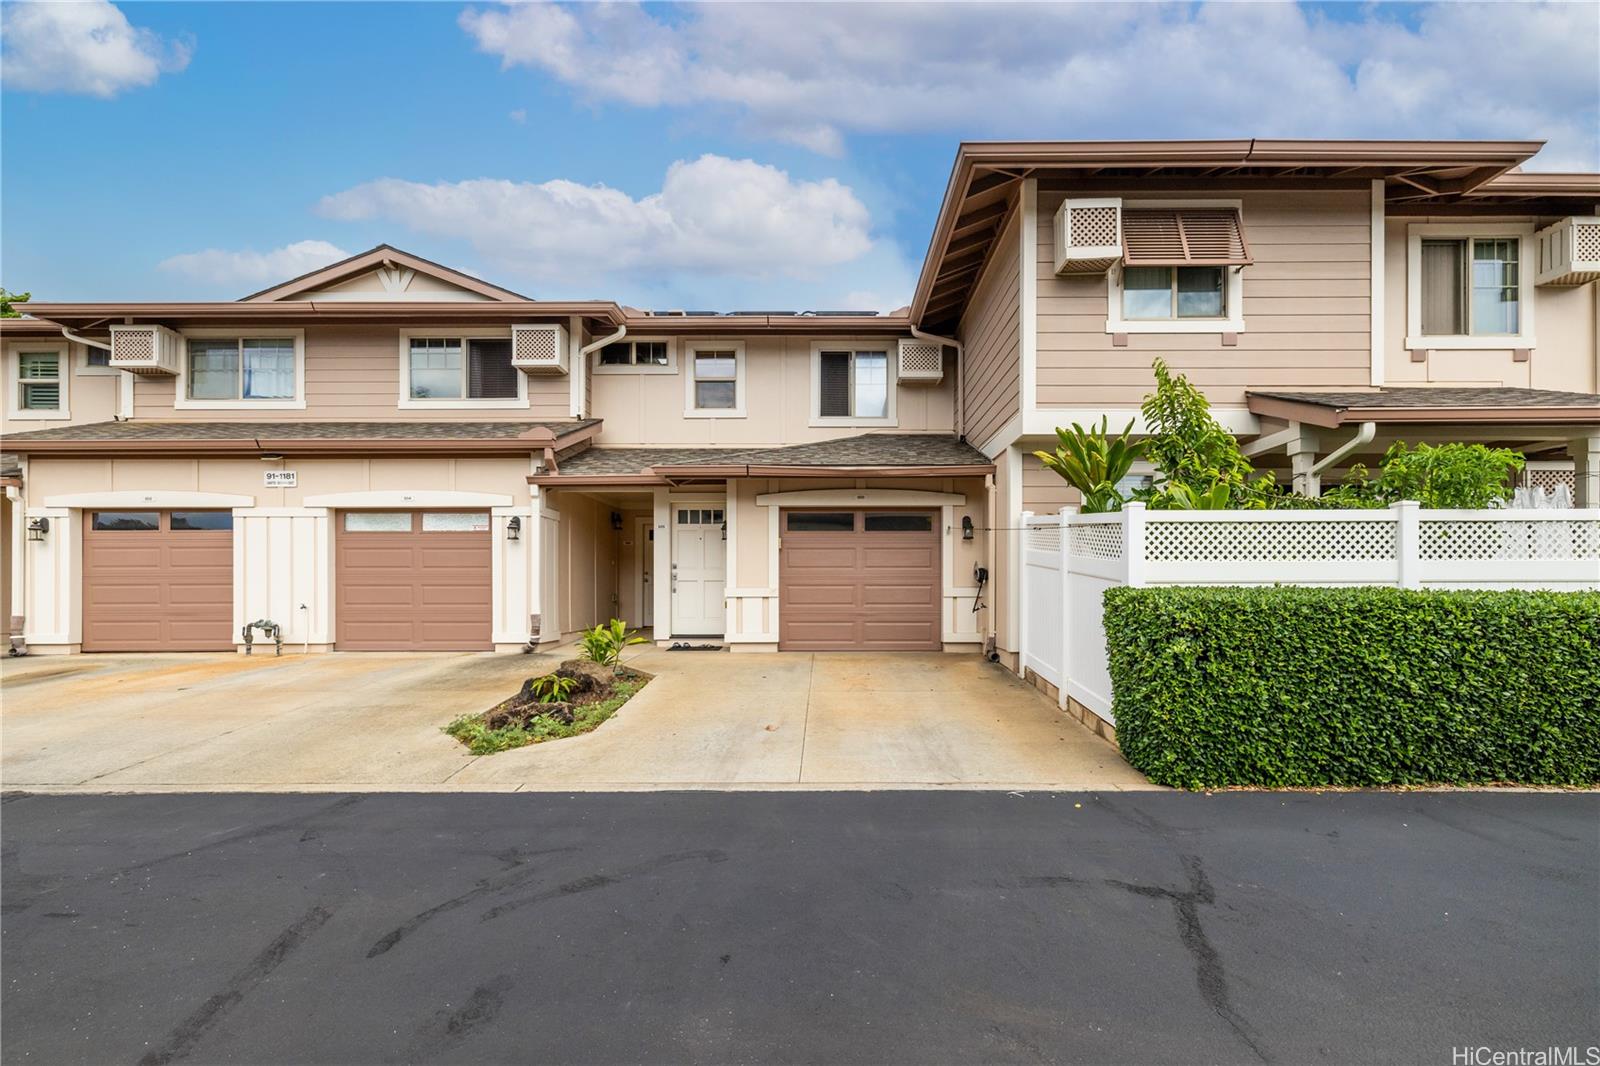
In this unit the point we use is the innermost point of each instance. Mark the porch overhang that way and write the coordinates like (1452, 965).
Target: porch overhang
(389, 439)
(1496, 406)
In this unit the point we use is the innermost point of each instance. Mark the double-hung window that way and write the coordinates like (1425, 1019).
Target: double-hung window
(715, 382)
(852, 384)
(460, 368)
(38, 382)
(241, 371)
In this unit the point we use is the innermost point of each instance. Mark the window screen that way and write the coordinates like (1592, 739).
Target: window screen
(490, 375)
(1443, 279)
(202, 520)
(820, 522)
(899, 523)
(118, 521)
(834, 384)
(214, 369)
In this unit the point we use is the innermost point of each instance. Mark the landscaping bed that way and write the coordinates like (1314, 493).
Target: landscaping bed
(589, 694)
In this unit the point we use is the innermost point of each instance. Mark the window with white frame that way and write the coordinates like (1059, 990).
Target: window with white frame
(715, 381)
(241, 368)
(1467, 286)
(1154, 293)
(97, 359)
(37, 391)
(851, 384)
(643, 354)
(1183, 268)
(460, 368)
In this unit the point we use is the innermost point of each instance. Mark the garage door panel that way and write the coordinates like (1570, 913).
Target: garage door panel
(419, 590)
(158, 589)
(865, 589)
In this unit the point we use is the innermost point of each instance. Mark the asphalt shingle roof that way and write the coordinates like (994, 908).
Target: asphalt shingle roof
(145, 431)
(868, 449)
(1424, 398)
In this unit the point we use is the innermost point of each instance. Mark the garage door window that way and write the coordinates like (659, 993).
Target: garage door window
(377, 522)
(454, 522)
(899, 523)
(122, 521)
(821, 522)
(202, 520)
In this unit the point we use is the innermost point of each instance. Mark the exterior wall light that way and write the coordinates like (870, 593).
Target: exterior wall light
(966, 527)
(514, 528)
(616, 520)
(38, 528)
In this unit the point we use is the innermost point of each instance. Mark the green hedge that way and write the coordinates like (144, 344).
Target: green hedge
(1360, 686)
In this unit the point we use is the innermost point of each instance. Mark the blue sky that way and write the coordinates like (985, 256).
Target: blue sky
(731, 156)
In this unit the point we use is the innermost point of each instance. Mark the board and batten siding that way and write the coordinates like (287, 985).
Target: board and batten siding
(353, 375)
(1306, 310)
(991, 365)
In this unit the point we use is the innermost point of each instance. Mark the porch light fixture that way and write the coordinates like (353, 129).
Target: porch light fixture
(37, 528)
(514, 527)
(966, 527)
(616, 520)
(724, 529)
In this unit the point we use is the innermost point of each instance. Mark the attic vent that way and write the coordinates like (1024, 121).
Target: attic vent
(921, 362)
(145, 350)
(1568, 252)
(1088, 235)
(540, 349)
(1184, 237)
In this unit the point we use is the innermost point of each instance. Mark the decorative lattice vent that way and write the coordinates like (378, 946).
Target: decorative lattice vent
(1551, 477)
(1300, 542)
(1103, 540)
(1088, 235)
(146, 350)
(1507, 540)
(1568, 253)
(921, 361)
(540, 349)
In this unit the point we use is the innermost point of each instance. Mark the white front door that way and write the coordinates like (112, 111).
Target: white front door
(699, 570)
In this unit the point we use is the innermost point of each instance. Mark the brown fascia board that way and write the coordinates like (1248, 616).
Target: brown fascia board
(1485, 158)
(1541, 185)
(333, 311)
(28, 327)
(557, 481)
(1335, 417)
(389, 446)
(707, 470)
(799, 325)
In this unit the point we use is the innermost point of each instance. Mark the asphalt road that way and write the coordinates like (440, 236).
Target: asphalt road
(797, 927)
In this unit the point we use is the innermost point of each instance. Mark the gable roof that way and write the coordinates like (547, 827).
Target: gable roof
(384, 255)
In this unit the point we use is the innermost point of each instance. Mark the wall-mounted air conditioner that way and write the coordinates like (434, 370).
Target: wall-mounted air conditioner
(920, 362)
(1568, 253)
(540, 349)
(1088, 235)
(148, 350)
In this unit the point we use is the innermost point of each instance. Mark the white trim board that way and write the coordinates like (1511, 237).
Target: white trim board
(860, 498)
(1525, 337)
(442, 498)
(158, 499)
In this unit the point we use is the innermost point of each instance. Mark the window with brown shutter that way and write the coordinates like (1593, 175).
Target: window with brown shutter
(1174, 237)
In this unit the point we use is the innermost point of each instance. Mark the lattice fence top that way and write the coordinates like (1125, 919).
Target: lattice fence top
(1044, 537)
(1245, 541)
(1101, 540)
(1505, 540)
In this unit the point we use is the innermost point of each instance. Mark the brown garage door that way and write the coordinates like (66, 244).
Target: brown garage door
(859, 581)
(413, 581)
(157, 581)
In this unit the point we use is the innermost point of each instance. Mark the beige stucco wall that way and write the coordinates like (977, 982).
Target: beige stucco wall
(1306, 309)
(648, 408)
(89, 393)
(1565, 326)
(991, 373)
(353, 374)
(55, 476)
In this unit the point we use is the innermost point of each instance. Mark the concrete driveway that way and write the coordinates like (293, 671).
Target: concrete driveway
(369, 721)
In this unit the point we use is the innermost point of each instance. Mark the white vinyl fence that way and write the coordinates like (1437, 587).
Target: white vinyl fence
(1070, 559)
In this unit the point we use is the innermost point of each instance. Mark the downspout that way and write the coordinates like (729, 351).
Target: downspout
(19, 571)
(76, 339)
(1363, 435)
(124, 384)
(583, 358)
(961, 414)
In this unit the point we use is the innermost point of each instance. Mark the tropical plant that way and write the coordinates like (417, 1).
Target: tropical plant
(1449, 475)
(553, 688)
(1181, 496)
(1192, 449)
(1093, 463)
(604, 643)
(7, 298)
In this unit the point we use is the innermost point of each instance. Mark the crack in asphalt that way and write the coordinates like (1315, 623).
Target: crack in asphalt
(602, 880)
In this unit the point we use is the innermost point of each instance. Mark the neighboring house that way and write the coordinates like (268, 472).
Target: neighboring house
(388, 454)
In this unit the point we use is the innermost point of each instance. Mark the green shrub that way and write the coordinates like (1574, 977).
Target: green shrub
(1355, 686)
(1445, 475)
(1093, 462)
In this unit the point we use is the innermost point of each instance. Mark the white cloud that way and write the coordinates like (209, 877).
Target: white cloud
(84, 47)
(713, 215)
(255, 268)
(519, 116)
(810, 74)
